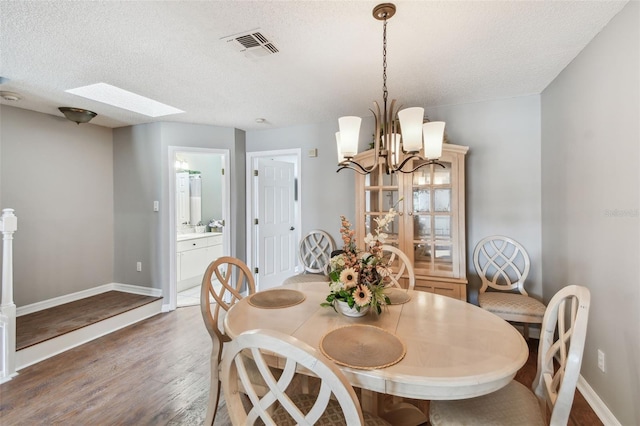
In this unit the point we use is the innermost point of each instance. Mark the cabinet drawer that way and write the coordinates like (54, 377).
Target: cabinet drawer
(192, 244)
(450, 289)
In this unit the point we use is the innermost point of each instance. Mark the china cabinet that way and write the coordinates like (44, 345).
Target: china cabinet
(430, 225)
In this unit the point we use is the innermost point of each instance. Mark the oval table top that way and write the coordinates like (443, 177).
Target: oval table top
(454, 349)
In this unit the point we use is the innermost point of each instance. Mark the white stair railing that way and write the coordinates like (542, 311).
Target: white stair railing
(8, 225)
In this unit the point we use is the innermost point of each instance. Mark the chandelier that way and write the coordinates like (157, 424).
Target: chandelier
(396, 132)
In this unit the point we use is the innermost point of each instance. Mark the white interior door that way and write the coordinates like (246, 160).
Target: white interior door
(276, 222)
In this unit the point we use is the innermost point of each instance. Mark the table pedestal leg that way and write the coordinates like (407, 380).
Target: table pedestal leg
(371, 401)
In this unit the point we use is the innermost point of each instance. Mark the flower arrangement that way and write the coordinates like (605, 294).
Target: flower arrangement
(356, 277)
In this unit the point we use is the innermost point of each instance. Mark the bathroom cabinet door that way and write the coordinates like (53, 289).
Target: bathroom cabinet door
(193, 263)
(194, 256)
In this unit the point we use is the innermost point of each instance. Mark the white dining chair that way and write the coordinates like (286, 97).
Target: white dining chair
(503, 266)
(564, 328)
(335, 402)
(400, 266)
(314, 252)
(234, 278)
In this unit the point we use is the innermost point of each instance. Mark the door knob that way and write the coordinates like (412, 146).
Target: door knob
(292, 228)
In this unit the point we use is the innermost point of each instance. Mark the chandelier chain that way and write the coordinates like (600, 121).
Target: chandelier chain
(384, 62)
(389, 150)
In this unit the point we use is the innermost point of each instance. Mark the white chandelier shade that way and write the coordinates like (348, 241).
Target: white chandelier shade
(411, 125)
(349, 135)
(433, 135)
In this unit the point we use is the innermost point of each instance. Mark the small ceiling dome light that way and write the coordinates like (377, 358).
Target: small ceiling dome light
(10, 96)
(261, 120)
(77, 115)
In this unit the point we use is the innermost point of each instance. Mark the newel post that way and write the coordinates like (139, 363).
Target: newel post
(8, 225)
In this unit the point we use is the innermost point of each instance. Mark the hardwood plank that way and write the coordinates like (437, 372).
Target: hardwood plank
(143, 374)
(155, 372)
(43, 325)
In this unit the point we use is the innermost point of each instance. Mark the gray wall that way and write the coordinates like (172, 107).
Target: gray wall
(141, 164)
(137, 166)
(590, 200)
(503, 173)
(325, 194)
(84, 200)
(58, 176)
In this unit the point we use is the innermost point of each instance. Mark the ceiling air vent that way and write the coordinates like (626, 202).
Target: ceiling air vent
(254, 44)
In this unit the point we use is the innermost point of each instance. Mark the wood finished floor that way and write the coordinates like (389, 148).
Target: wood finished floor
(43, 325)
(155, 372)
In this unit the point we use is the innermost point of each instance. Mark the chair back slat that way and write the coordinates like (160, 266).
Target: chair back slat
(502, 264)
(400, 265)
(280, 395)
(315, 251)
(232, 278)
(562, 339)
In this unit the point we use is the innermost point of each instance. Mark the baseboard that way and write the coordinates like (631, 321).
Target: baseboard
(7, 378)
(599, 407)
(67, 298)
(51, 347)
(135, 289)
(50, 303)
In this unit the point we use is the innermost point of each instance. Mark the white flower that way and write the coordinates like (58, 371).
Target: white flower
(369, 239)
(336, 286)
(383, 271)
(337, 262)
(383, 222)
(382, 237)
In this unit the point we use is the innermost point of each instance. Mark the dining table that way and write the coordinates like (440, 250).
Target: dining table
(436, 347)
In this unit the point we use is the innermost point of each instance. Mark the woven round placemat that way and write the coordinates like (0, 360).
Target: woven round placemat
(397, 296)
(362, 346)
(277, 298)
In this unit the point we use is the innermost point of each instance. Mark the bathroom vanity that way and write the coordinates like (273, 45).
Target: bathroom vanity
(195, 251)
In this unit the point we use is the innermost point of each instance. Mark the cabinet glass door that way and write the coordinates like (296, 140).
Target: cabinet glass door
(432, 219)
(381, 193)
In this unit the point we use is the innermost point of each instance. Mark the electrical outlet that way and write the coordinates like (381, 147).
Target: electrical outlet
(601, 360)
(139, 266)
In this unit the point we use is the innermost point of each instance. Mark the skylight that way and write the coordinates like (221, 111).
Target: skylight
(115, 96)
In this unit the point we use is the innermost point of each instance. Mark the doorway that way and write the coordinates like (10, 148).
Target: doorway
(273, 215)
(199, 218)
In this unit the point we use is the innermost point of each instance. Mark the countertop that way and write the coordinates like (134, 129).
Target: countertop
(195, 235)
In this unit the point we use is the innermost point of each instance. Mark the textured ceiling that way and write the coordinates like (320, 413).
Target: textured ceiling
(329, 62)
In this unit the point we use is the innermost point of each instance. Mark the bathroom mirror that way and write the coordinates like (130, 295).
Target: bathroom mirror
(198, 190)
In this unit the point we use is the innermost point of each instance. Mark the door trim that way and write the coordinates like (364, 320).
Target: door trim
(252, 164)
(173, 285)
